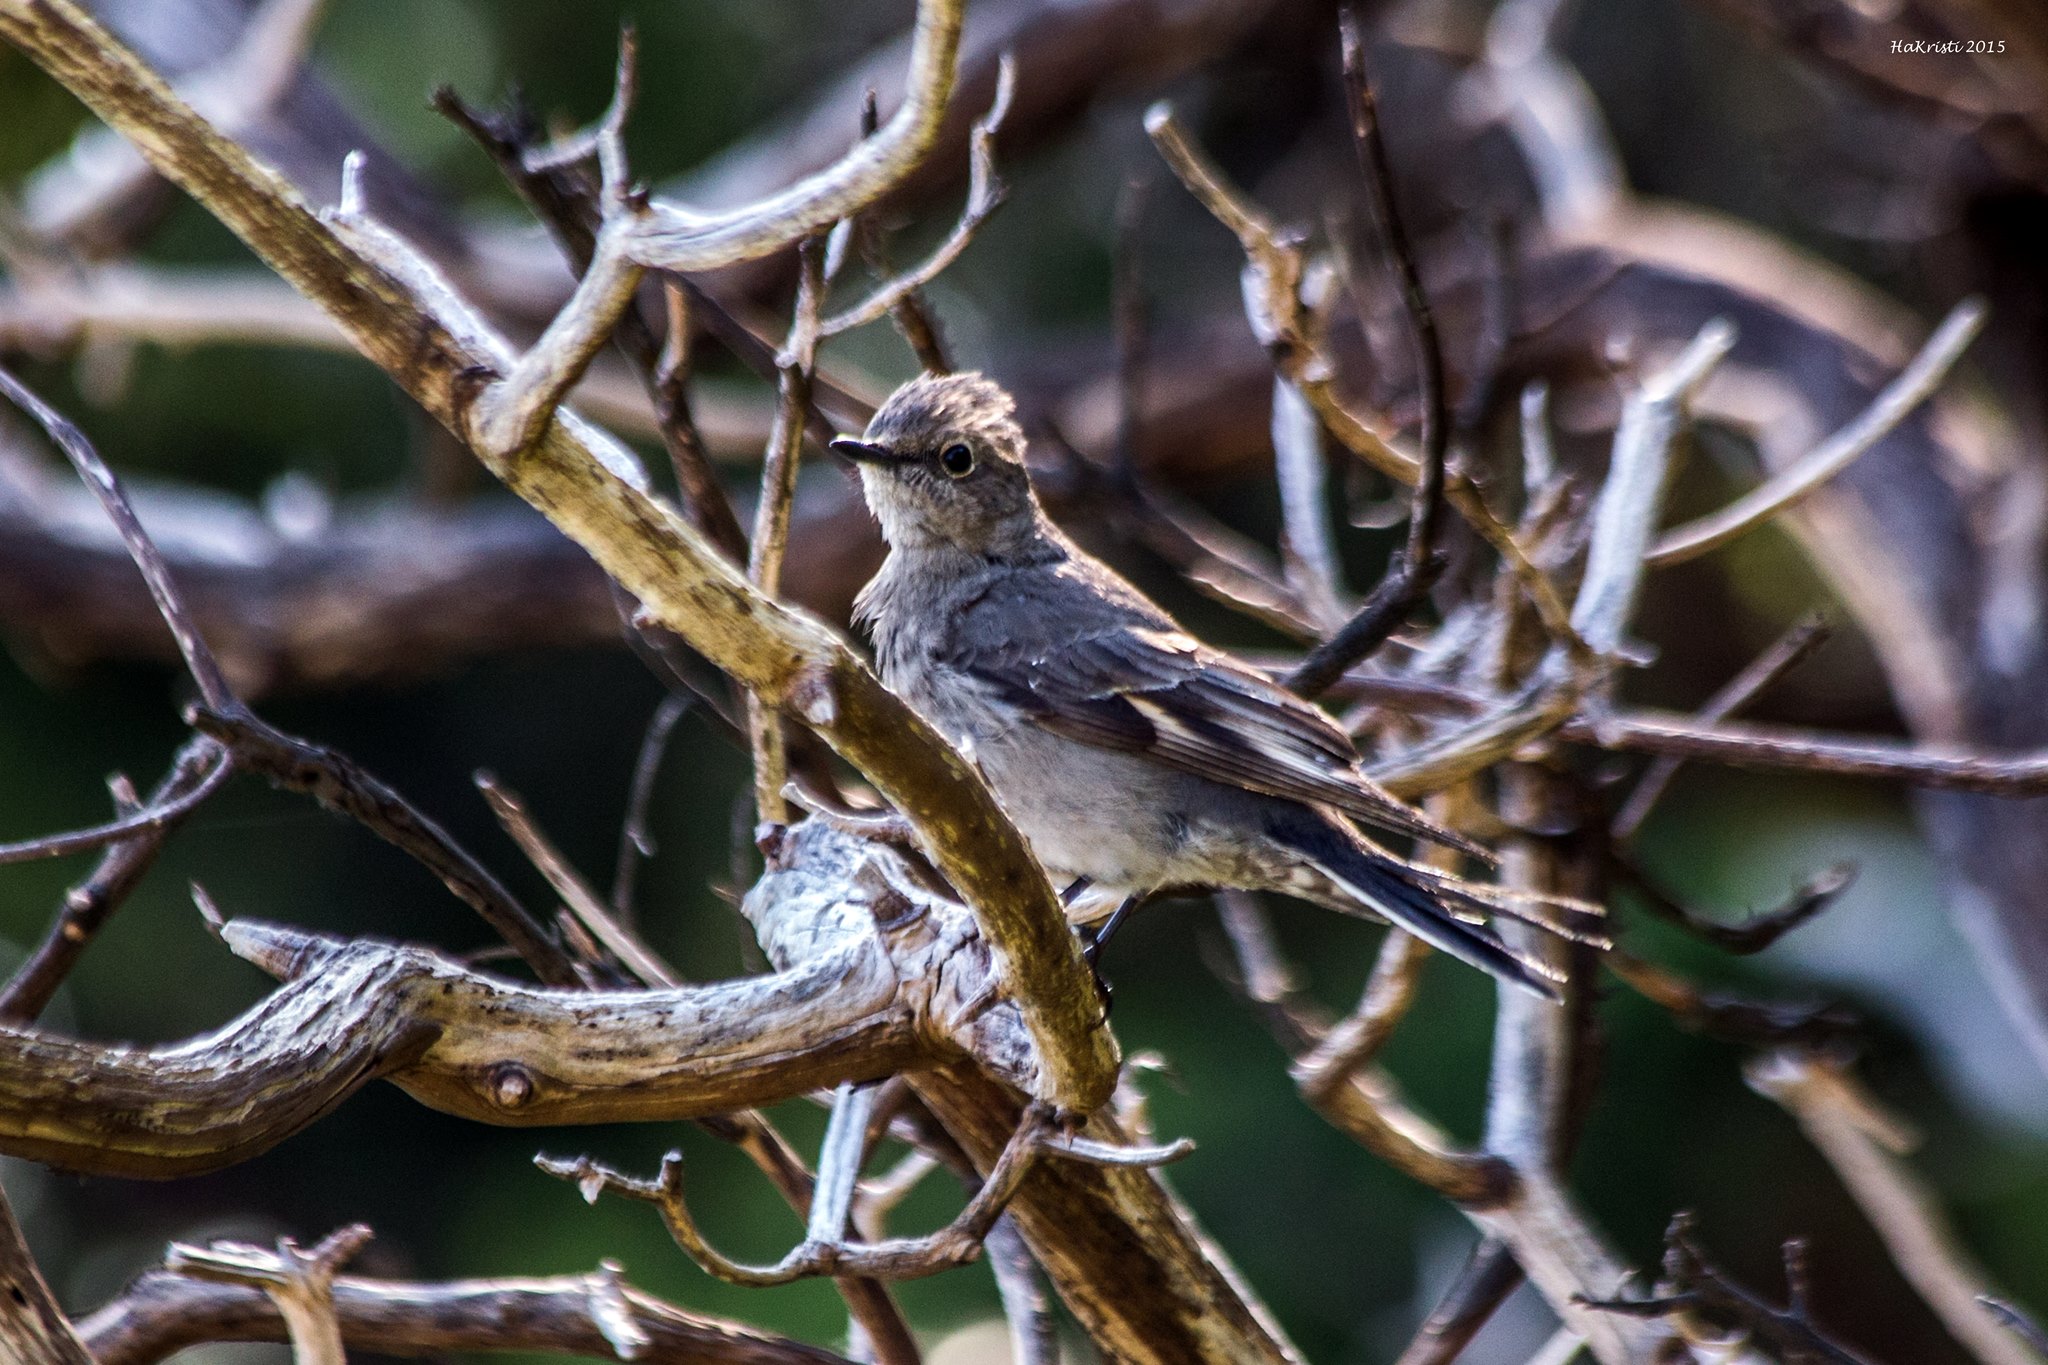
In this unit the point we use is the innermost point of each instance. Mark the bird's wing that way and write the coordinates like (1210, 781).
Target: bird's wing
(1125, 682)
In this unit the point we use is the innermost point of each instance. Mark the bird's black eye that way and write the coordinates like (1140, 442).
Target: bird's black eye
(957, 461)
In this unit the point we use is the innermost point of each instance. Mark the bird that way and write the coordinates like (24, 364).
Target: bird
(1132, 757)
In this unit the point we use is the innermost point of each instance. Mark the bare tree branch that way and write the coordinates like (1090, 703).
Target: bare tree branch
(569, 204)
(587, 1315)
(33, 1328)
(300, 1283)
(826, 1252)
(679, 239)
(1786, 487)
(199, 661)
(1777, 748)
(1691, 1291)
(857, 1001)
(151, 821)
(985, 194)
(636, 839)
(1489, 1276)
(1866, 1147)
(88, 904)
(1786, 653)
(253, 745)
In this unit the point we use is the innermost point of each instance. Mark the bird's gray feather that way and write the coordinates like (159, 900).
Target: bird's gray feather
(1081, 653)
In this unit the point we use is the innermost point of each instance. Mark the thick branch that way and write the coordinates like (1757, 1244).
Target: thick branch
(1123, 1253)
(856, 1002)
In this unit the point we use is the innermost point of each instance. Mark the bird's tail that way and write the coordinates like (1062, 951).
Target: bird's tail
(1412, 898)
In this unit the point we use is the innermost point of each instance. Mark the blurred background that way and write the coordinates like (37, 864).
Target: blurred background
(1704, 107)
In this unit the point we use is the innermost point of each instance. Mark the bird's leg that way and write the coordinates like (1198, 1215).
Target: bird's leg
(1091, 940)
(1100, 939)
(1091, 952)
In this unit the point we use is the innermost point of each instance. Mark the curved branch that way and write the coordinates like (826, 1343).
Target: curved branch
(985, 194)
(150, 820)
(893, 1258)
(468, 1044)
(674, 238)
(1790, 485)
(88, 903)
(877, 976)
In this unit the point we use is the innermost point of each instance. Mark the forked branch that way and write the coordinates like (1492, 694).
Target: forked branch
(896, 1258)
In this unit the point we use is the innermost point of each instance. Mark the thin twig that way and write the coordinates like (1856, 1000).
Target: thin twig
(1784, 654)
(1377, 171)
(1368, 1106)
(344, 786)
(840, 1155)
(1273, 305)
(1748, 1022)
(1691, 1285)
(1384, 609)
(33, 1328)
(88, 904)
(1781, 748)
(151, 820)
(1625, 515)
(683, 240)
(199, 661)
(2017, 1322)
(1491, 1273)
(567, 202)
(1034, 1332)
(1801, 478)
(879, 1195)
(772, 512)
(1268, 978)
(1409, 581)
(80, 198)
(892, 1259)
(883, 826)
(1307, 538)
(1760, 930)
(1358, 1038)
(576, 893)
(985, 194)
(636, 840)
(256, 746)
(785, 443)
(911, 312)
(1866, 1147)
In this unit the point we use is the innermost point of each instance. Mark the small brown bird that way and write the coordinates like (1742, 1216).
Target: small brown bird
(1133, 757)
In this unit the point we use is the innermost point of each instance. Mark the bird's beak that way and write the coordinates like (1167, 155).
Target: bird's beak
(862, 452)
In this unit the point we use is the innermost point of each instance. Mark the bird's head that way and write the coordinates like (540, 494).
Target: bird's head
(942, 465)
